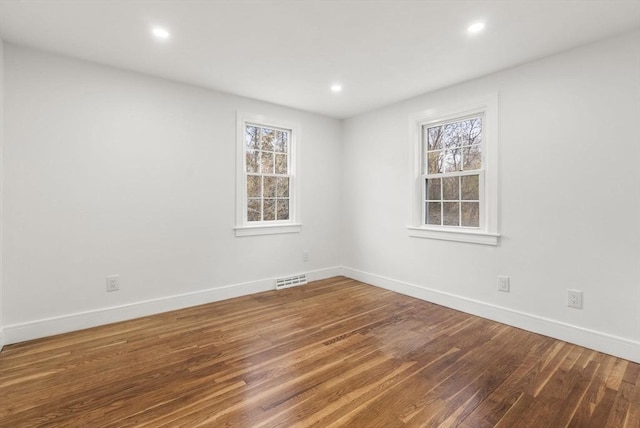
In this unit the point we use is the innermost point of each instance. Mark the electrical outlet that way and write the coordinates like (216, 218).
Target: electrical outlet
(503, 283)
(574, 299)
(113, 283)
(305, 256)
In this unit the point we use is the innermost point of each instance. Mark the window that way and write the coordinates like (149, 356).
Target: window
(452, 172)
(266, 178)
(266, 164)
(455, 185)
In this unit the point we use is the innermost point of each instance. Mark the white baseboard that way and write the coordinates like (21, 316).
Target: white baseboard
(603, 342)
(317, 275)
(14, 333)
(613, 345)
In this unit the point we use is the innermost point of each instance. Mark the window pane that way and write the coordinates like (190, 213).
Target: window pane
(268, 136)
(281, 163)
(269, 187)
(266, 160)
(452, 137)
(470, 187)
(283, 209)
(254, 209)
(251, 137)
(434, 162)
(473, 131)
(433, 189)
(452, 160)
(269, 209)
(472, 157)
(450, 190)
(281, 142)
(282, 187)
(434, 138)
(471, 214)
(434, 214)
(253, 186)
(463, 133)
(252, 161)
(451, 213)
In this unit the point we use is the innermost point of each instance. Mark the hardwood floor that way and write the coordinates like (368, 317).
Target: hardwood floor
(332, 353)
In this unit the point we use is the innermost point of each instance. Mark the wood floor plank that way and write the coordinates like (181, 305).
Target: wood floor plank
(332, 353)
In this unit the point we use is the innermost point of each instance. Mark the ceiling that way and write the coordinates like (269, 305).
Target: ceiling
(289, 52)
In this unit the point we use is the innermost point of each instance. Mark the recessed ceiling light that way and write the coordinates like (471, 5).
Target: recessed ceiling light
(336, 87)
(475, 28)
(160, 33)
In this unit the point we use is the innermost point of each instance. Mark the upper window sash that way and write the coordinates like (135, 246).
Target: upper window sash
(462, 147)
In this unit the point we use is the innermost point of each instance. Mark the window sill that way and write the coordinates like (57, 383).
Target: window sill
(267, 229)
(457, 235)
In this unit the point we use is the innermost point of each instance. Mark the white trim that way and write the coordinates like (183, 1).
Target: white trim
(242, 227)
(77, 321)
(603, 342)
(263, 229)
(487, 106)
(614, 345)
(2, 341)
(458, 235)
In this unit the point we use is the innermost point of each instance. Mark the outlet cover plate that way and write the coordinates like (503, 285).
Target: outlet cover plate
(574, 299)
(503, 284)
(113, 283)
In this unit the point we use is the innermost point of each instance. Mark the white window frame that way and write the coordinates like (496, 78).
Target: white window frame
(293, 224)
(487, 233)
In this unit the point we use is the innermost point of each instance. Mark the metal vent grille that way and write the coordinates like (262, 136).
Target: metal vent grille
(290, 281)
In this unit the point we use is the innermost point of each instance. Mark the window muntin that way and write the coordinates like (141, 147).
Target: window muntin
(452, 173)
(267, 168)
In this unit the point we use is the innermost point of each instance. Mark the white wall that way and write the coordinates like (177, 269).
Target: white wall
(107, 171)
(112, 172)
(570, 200)
(2, 341)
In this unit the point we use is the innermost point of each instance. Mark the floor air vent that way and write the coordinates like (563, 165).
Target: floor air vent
(290, 281)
